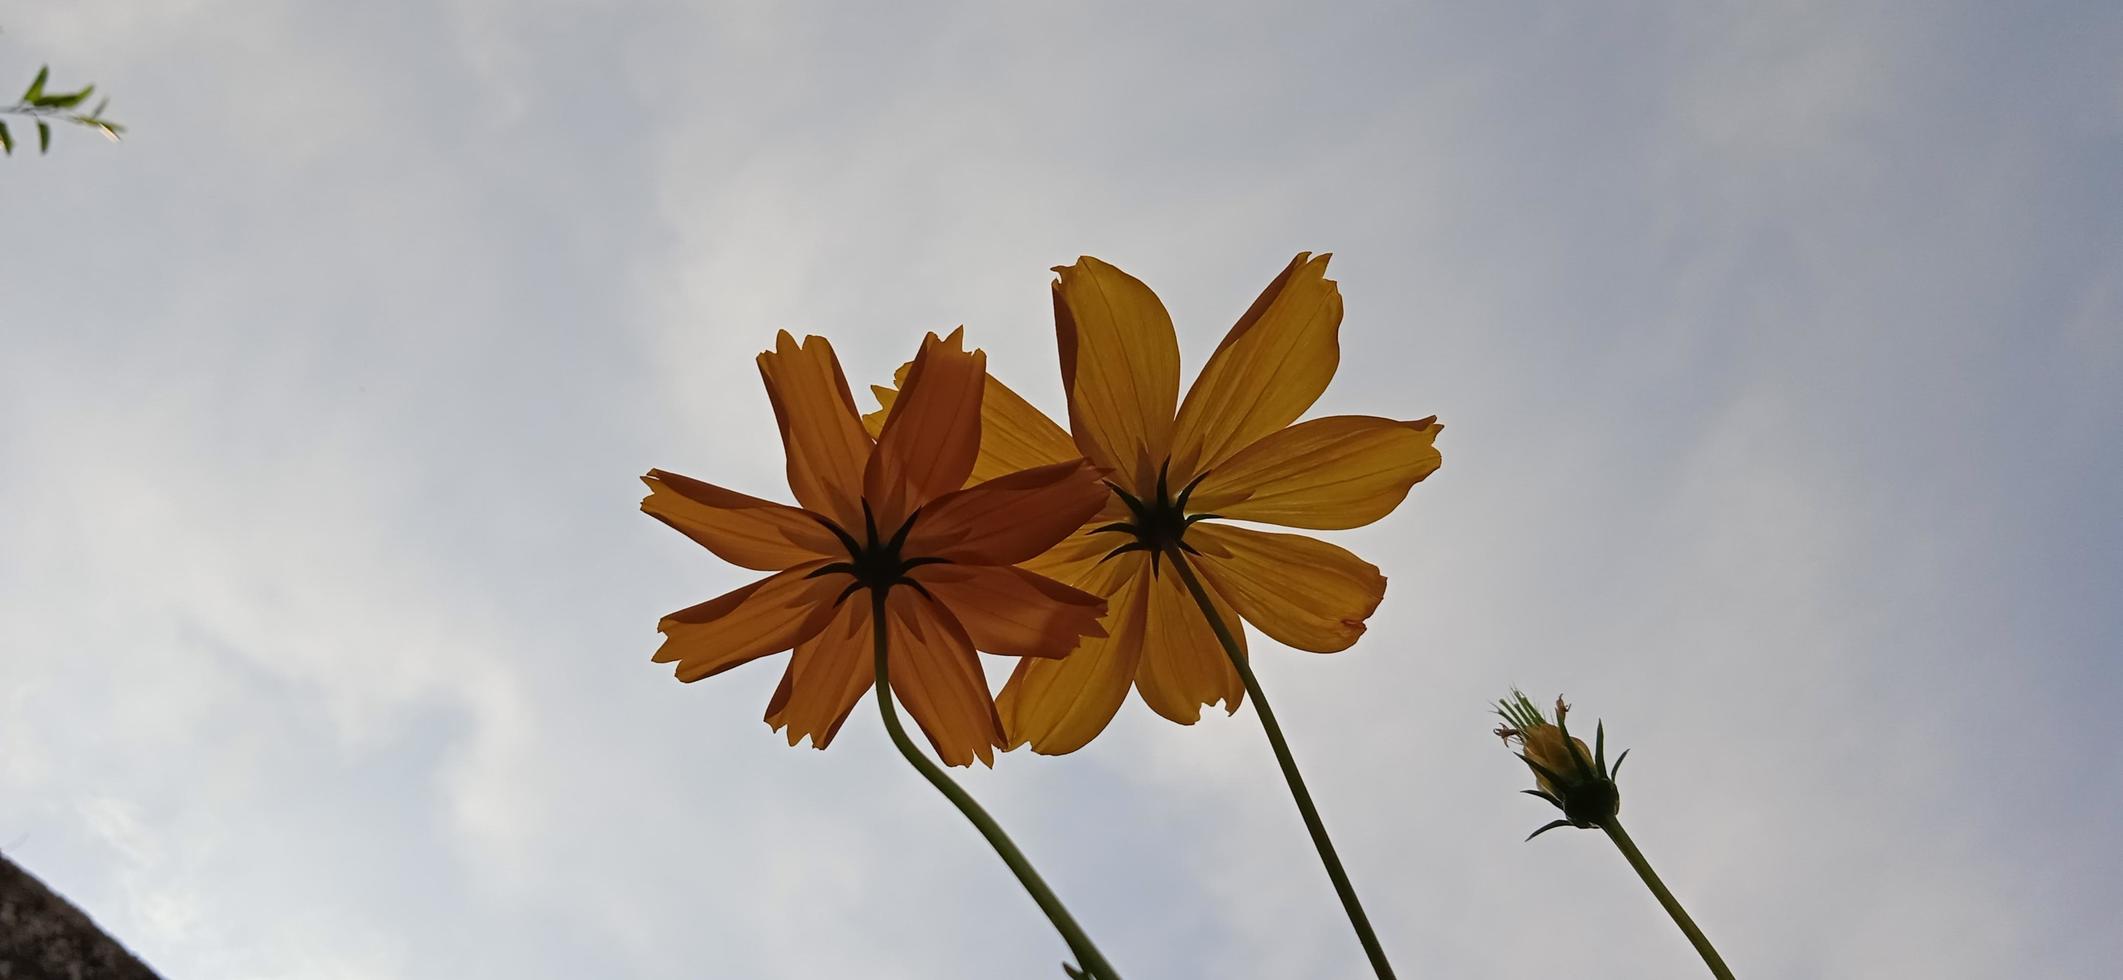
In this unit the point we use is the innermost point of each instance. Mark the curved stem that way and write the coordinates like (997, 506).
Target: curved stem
(1087, 955)
(1614, 830)
(1298, 792)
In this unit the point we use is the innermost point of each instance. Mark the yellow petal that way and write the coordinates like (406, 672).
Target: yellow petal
(1272, 366)
(1011, 611)
(1302, 592)
(739, 529)
(1069, 561)
(932, 434)
(1013, 434)
(1009, 519)
(820, 429)
(874, 422)
(937, 676)
(1120, 368)
(1058, 706)
(1183, 665)
(828, 675)
(1337, 472)
(768, 616)
(1016, 436)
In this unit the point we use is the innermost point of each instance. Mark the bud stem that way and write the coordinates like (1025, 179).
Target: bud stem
(1298, 792)
(1615, 833)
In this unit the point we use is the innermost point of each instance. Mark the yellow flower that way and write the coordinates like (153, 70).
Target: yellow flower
(878, 512)
(1228, 451)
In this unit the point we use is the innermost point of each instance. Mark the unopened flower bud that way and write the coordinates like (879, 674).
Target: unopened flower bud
(1569, 775)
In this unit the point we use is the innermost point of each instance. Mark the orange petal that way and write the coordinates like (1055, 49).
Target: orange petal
(1272, 366)
(936, 675)
(1013, 434)
(1120, 368)
(739, 529)
(1011, 611)
(1302, 592)
(1337, 472)
(828, 675)
(932, 433)
(1058, 706)
(820, 429)
(768, 616)
(1184, 666)
(1008, 519)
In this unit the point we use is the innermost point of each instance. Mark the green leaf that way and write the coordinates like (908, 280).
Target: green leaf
(7, 140)
(101, 104)
(64, 100)
(44, 136)
(36, 85)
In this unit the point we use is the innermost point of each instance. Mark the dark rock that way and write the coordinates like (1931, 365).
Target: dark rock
(44, 937)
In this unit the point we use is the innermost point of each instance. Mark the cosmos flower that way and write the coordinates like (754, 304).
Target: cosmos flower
(889, 514)
(1229, 451)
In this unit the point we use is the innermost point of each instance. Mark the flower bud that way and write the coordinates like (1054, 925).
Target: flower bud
(1569, 775)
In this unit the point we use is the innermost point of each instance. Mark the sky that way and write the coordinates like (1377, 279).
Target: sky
(1779, 347)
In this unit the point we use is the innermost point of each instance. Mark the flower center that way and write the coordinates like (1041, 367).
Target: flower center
(875, 562)
(1159, 524)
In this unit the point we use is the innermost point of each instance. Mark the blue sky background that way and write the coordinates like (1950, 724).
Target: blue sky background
(1780, 347)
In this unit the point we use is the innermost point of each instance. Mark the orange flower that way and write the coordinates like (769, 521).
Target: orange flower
(875, 513)
(1228, 451)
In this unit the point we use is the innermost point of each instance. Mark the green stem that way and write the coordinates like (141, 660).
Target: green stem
(1087, 955)
(1614, 830)
(1298, 792)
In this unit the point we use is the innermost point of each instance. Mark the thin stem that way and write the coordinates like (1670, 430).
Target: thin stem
(1087, 955)
(1614, 830)
(1298, 792)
